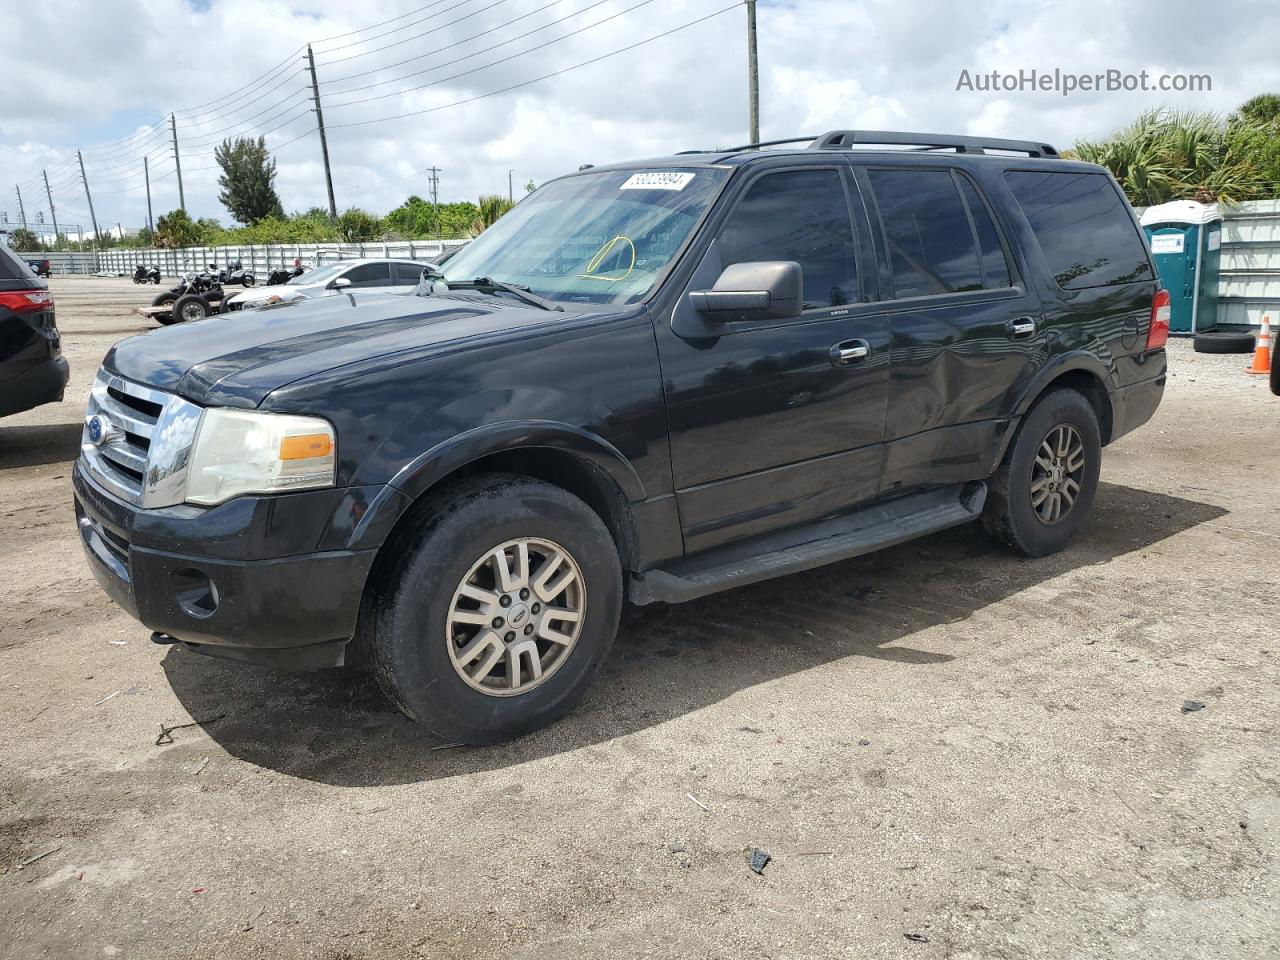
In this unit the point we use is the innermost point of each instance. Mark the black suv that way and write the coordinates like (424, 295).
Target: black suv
(647, 382)
(32, 368)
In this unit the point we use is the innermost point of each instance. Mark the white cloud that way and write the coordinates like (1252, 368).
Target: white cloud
(117, 68)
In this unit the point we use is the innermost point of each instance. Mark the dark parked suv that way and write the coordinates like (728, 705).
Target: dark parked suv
(647, 382)
(32, 368)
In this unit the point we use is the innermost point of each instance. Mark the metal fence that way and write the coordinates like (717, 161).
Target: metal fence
(1250, 283)
(259, 259)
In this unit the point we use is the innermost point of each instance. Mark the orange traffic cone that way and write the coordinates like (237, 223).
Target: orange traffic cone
(1262, 352)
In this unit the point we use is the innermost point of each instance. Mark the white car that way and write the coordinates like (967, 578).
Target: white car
(366, 276)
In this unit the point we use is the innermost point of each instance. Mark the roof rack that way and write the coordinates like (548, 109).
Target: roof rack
(848, 139)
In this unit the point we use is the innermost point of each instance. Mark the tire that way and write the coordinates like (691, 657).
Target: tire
(249, 280)
(161, 299)
(1010, 515)
(1223, 341)
(190, 308)
(450, 544)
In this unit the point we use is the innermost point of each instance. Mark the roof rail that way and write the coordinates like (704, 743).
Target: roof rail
(848, 139)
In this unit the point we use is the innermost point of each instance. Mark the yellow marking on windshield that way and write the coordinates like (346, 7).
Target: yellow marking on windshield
(594, 263)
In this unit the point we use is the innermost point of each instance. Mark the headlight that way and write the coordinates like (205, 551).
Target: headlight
(244, 451)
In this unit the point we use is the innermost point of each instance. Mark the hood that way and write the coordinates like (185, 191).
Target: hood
(236, 359)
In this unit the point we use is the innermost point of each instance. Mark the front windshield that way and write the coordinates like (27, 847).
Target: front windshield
(318, 275)
(594, 238)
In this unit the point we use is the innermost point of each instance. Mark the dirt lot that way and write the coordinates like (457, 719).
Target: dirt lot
(948, 751)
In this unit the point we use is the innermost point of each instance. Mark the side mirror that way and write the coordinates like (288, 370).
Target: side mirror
(763, 290)
(339, 283)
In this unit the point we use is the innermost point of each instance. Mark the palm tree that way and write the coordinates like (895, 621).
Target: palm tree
(492, 207)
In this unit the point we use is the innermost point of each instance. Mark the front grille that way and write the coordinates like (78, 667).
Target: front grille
(145, 436)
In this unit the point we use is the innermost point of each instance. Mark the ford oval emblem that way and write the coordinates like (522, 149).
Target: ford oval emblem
(99, 430)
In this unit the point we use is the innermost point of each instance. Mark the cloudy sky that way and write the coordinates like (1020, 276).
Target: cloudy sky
(105, 74)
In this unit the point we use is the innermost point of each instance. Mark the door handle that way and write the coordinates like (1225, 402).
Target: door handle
(850, 352)
(1020, 328)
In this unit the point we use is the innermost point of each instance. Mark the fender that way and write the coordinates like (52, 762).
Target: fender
(421, 473)
(1065, 363)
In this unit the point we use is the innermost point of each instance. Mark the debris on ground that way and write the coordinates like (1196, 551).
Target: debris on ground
(698, 802)
(200, 766)
(98, 703)
(916, 937)
(750, 730)
(1191, 706)
(39, 856)
(166, 732)
(759, 860)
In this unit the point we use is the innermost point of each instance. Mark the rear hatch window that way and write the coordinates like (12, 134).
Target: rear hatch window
(15, 274)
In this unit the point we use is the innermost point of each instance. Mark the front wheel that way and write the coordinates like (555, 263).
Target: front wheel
(500, 612)
(1041, 495)
(248, 280)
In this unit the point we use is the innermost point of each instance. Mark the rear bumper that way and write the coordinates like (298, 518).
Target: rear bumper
(42, 383)
(295, 612)
(1135, 404)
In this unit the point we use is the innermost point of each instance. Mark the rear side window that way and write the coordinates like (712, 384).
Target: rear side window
(798, 215)
(406, 274)
(1084, 228)
(369, 275)
(932, 247)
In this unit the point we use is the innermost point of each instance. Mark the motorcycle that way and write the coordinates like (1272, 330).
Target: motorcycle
(234, 274)
(145, 274)
(196, 296)
(278, 277)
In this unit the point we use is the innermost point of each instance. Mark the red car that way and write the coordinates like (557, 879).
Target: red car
(39, 267)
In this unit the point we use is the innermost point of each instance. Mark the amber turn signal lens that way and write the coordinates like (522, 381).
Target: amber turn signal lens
(305, 447)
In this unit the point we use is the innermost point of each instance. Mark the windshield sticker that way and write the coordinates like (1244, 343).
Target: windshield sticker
(657, 181)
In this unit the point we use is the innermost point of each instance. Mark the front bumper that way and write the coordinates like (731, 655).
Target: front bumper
(205, 576)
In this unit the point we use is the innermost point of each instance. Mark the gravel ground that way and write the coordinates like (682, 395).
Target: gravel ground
(948, 751)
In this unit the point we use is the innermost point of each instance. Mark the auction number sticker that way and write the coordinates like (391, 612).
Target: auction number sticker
(657, 181)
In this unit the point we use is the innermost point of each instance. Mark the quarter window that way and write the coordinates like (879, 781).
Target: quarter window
(1084, 227)
(798, 215)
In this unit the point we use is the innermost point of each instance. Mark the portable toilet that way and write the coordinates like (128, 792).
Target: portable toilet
(1186, 241)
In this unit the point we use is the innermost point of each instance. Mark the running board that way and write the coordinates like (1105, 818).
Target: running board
(797, 550)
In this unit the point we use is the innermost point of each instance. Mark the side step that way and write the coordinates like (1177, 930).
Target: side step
(792, 551)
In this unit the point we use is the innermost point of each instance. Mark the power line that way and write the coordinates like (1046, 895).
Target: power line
(374, 26)
(458, 43)
(493, 63)
(415, 36)
(545, 76)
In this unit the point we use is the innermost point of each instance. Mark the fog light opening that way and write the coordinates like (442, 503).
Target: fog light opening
(195, 592)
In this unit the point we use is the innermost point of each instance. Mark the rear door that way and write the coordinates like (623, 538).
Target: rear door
(405, 277)
(965, 329)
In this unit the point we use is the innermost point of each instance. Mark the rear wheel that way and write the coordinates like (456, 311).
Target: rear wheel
(1041, 495)
(501, 611)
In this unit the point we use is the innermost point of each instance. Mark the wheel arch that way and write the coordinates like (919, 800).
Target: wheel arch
(1081, 372)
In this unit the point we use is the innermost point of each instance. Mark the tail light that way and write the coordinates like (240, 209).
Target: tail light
(1161, 312)
(27, 301)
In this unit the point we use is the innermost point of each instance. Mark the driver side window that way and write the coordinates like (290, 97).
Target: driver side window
(369, 275)
(798, 215)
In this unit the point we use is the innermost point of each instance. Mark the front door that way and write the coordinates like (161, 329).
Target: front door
(776, 423)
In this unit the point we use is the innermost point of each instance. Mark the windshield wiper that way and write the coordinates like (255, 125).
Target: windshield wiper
(517, 291)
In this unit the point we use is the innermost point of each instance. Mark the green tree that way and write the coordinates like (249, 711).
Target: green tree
(356, 225)
(23, 239)
(530, 187)
(176, 229)
(248, 179)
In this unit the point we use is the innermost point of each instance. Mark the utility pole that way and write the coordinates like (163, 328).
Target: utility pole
(511, 195)
(435, 195)
(92, 216)
(324, 143)
(177, 162)
(753, 75)
(22, 211)
(146, 173)
(53, 213)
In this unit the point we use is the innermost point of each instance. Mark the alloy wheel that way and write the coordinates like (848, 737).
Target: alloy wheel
(515, 616)
(1057, 474)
